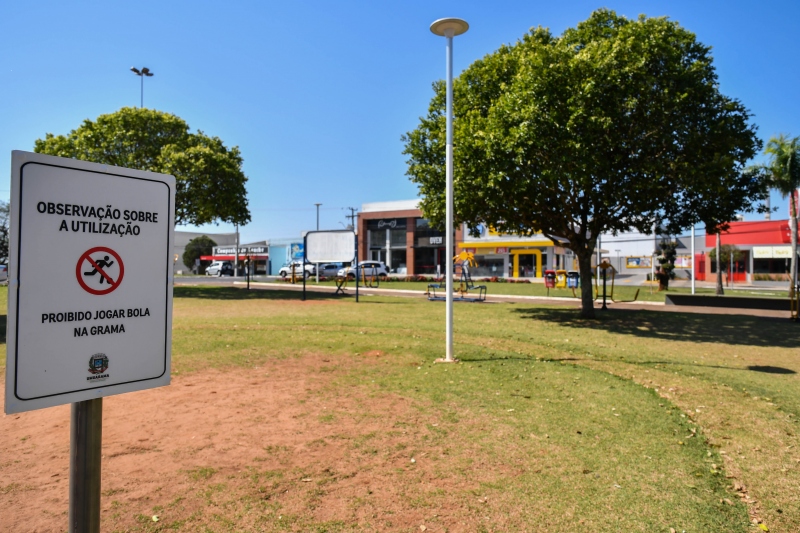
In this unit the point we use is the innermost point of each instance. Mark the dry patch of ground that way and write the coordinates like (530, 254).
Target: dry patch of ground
(258, 449)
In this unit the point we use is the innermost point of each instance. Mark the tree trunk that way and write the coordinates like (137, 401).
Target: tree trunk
(793, 225)
(587, 296)
(720, 290)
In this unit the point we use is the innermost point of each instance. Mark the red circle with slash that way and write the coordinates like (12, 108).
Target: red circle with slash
(90, 263)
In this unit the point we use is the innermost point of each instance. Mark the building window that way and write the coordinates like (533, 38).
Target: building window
(487, 266)
(423, 230)
(768, 266)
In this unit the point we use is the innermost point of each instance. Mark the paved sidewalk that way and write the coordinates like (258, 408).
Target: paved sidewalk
(539, 300)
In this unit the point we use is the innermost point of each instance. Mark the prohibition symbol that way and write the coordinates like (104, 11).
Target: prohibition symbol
(99, 270)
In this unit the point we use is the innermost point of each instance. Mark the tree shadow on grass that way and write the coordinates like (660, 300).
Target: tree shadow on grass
(232, 293)
(727, 329)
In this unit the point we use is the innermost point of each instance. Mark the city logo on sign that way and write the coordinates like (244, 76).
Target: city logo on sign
(98, 364)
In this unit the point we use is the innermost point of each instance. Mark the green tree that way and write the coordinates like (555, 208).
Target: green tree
(666, 260)
(210, 183)
(199, 246)
(783, 169)
(615, 125)
(726, 253)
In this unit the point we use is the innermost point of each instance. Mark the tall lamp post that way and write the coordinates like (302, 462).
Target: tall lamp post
(141, 73)
(316, 267)
(449, 28)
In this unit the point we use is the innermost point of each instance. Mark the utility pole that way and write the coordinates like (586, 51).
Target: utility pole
(352, 216)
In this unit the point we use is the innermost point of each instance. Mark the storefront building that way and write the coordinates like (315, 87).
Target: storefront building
(282, 252)
(764, 248)
(397, 234)
(257, 253)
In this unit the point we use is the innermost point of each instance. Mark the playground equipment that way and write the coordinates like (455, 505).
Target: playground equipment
(371, 280)
(605, 266)
(465, 286)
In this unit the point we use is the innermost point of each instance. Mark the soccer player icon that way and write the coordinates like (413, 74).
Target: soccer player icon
(101, 263)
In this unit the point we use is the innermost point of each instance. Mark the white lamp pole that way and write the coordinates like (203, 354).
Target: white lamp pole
(449, 28)
(694, 270)
(316, 267)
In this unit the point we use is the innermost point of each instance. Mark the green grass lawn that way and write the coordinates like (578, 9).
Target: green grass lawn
(636, 421)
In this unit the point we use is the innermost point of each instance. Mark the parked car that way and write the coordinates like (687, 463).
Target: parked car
(3, 273)
(371, 268)
(286, 270)
(220, 268)
(329, 270)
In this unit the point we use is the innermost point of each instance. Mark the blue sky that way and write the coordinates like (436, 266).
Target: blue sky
(317, 94)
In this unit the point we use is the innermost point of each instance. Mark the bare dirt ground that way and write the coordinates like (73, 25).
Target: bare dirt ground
(262, 449)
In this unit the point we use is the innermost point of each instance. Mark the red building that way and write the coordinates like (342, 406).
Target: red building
(766, 251)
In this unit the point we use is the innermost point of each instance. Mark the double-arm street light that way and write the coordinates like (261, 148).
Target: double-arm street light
(449, 27)
(142, 73)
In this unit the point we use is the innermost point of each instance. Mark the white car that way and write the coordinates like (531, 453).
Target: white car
(286, 270)
(220, 268)
(329, 270)
(3, 273)
(370, 268)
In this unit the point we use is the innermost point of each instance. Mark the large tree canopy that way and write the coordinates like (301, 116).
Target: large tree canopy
(615, 125)
(210, 184)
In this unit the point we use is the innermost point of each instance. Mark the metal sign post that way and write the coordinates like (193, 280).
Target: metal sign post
(85, 448)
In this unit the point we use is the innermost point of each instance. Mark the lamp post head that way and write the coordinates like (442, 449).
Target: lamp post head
(449, 27)
(144, 72)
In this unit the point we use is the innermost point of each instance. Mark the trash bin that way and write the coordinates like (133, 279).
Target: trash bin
(550, 279)
(561, 279)
(573, 279)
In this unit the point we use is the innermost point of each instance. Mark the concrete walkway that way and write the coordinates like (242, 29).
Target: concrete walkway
(538, 300)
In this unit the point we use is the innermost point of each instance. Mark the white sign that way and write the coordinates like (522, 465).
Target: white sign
(782, 252)
(336, 246)
(772, 252)
(762, 252)
(90, 281)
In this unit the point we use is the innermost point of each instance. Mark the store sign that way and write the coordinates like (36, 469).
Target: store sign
(638, 262)
(762, 252)
(230, 250)
(387, 223)
(782, 252)
(297, 251)
(257, 250)
(90, 281)
(772, 252)
(501, 250)
(436, 240)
